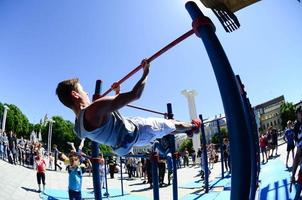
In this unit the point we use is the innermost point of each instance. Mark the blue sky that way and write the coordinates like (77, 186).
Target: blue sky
(44, 42)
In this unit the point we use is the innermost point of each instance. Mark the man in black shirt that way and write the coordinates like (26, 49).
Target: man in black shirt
(298, 138)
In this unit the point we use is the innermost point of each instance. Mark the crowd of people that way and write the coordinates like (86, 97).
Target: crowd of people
(19, 151)
(268, 142)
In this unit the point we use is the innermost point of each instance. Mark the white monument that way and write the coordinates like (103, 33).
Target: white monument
(190, 94)
(4, 117)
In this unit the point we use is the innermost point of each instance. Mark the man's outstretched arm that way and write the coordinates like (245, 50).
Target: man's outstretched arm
(96, 112)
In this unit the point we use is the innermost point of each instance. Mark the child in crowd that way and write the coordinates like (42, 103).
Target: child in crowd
(75, 172)
(40, 165)
(102, 171)
(101, 122)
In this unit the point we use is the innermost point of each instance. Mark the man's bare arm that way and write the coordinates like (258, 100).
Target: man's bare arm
(98, 110)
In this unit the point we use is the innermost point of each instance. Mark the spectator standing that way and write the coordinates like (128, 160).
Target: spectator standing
(162, 171)
(102, 171)
(21, 151)
(129, 165)
(1, 145)
(186, 157)
(289, 138)
(226, 154)
(40, 166)
(263, 145)
(275, 141)
(112, 165)
(50, 161)
(193, 157)
(5, 146)
(12, 144)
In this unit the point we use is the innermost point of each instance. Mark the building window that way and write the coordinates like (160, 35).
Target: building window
(275, 123)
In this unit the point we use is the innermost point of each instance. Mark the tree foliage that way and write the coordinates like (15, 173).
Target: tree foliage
(216, 137)
(287, 112)
(187, 143)
(62, 132)
(16, 121)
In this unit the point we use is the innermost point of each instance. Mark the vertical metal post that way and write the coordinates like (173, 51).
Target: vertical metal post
(95, 153)
(239, 141)
(172, 148)
(254, 139)
(154, 162)
(56, 158)
(106, 181)
(122, 185)
(205, 156)
(221, 148)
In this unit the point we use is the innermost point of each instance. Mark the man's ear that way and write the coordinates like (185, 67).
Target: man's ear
(74, 94)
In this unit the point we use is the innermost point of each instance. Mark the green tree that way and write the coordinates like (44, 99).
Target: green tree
(187, 143)
(216, 137)
(16, 121)
(287, 112)
(62, 132)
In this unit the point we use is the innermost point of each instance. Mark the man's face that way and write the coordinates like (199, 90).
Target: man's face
(83, 94)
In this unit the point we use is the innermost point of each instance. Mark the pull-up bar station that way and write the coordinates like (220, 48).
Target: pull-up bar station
(235, 110)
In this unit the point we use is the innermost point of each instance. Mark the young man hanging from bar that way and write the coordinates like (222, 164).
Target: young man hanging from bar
(101, 122)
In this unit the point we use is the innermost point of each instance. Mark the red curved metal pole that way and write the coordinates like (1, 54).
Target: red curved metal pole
(157, 54)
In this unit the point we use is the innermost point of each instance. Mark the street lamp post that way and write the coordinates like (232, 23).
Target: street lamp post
(50, 121)
(4, 117)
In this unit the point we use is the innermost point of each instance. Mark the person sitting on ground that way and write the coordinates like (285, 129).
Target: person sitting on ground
(101, 122)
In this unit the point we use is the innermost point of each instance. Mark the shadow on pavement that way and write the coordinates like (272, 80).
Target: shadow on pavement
(137, 184)
(142, 190)
(30, 190)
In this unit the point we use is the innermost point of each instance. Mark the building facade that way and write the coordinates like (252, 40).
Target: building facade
(210, 126)
(299, 104)
(268, 114)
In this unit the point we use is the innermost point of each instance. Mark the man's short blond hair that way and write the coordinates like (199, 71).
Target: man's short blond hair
(64, 90)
